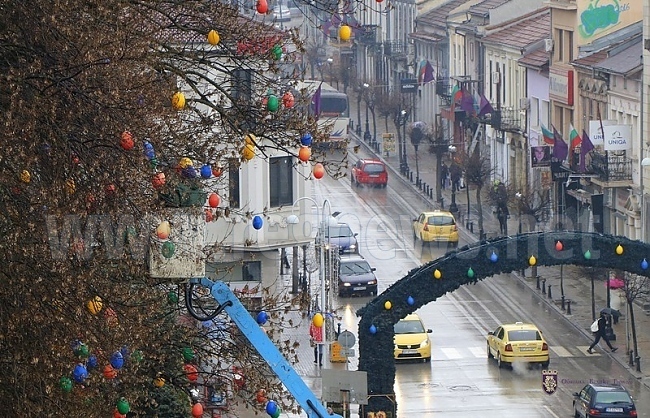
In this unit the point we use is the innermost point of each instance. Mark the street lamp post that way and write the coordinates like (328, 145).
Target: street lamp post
(323, 233)
(366, 135)
(453, 208)
(403, 165)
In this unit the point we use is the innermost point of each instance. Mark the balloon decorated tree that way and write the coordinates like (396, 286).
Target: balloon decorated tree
(108, 119)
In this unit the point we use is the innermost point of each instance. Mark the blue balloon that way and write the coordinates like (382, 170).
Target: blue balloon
(306, 139)
(206, 171)
(410, 300)
(117, 360)
(644, 264)
(92, 361)
(494, 257)
(125, 351)
(373, 329)
(262, 317)
(258, 222)
(271, 407)
(80, 373)
(189, 172)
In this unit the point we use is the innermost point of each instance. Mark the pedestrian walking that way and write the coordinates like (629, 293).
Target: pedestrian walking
(601, 333)
(444, 173)
(455, 172)
(502, 215)
(316, 341)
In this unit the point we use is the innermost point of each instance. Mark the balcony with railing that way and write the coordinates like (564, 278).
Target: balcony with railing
(395, 49)
(506, 119)
(611, 167)
(367, 35)
(443, 90)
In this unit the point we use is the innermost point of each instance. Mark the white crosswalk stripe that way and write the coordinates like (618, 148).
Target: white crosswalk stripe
(479, 352)
(451, 353)
(560, 351)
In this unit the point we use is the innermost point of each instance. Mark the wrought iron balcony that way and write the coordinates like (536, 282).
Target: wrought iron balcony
(443, 90)
(506, 119)
(395, 49)
(367, 35)
(611, 167)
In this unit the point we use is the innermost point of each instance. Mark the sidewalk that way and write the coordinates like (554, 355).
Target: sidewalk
(576, 281)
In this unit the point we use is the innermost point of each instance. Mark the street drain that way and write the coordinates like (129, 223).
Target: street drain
(461, 388)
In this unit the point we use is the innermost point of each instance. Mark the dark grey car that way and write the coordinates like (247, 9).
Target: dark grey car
(356, 277)
(603, 401)
(343, 238)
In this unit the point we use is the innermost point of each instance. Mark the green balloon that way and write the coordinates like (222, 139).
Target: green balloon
(587, 255)
(65, 383)
(273, 103)
(188, 353)
(168, 249)
(137, 356)
(172, 297)
(470, 273)
(277, 52)
(123, 406)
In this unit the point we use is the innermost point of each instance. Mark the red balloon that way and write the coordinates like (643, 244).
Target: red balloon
(288, 100)
(559, 246)
(116, 414)
(110, 189)
(110, 372)
(304, 154)
(214, 200)
(262, 6)
(126, 141)
(158, 180)
(208, 215)
(319, 171)
(197, 410)
(192, 372)
(217, 171)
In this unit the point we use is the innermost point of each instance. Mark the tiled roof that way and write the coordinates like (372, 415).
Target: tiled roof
(484, 7)
(624, 61)
(526, 31)
(536, 59)
(438, 16)
(590, 60)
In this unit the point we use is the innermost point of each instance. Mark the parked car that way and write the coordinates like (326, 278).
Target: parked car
(369, 171)
(517, 342)
(412, 340)
(342, 237)
(356, 277)
(603, 401)
(436, 226)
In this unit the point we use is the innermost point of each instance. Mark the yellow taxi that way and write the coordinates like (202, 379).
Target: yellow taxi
(412, 340)
(518, 342)
(436, 226)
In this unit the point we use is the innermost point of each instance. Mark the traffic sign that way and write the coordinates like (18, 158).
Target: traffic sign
(347, 339)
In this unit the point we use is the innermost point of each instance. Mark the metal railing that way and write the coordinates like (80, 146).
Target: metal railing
(610, 167)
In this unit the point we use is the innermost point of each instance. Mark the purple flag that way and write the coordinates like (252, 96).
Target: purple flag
(315, 101)
(484, 106)
(560, 149)
(428, 73)
(467, 101)
(585, 147)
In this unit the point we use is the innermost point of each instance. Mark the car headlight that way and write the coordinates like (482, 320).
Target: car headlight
(346, 284)
(372, 281)
(353, 246)
(424, 343)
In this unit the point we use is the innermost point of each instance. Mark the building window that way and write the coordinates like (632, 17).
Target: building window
(569, 35)
(240, 271)
(233, 183)
(251, 271)
(281, 181)
(544, 114)
(534, 112)
(241, 86)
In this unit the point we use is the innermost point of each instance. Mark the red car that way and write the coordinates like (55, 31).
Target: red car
(371, 172)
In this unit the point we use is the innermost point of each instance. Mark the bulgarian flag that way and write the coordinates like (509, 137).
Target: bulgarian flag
(548, 136)
(574, 138)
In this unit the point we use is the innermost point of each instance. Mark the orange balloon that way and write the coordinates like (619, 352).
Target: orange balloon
(191, 372)
(197, 410)
(158, 180)
(163, 230)
(318, 171)
(214, 200)
(110, 372)
(262, 6)
(126, 141)
(116, 414)
(304, 154)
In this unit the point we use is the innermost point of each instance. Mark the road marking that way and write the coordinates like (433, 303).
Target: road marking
(451, 353)
(583, 349)
(479, 352)
(561, 351)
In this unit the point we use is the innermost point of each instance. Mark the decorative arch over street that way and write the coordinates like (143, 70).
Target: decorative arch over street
(468, 265)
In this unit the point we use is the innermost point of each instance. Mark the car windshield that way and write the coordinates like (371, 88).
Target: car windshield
(357, 267)
(340, 231)
(373, 168)
(524, 335)
(613, 397)
(440, 220)
(409, 327)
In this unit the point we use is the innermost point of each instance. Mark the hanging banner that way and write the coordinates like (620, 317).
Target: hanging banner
(617, 137)
(595, 133)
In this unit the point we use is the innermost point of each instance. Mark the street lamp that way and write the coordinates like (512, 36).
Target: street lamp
(453, 208)
(366, 135)
(519, 203)
(323, 228)
(403, 165)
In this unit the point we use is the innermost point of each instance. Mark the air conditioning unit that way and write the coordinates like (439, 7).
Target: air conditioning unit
(548, 45)
(524, 103)
(496, 77)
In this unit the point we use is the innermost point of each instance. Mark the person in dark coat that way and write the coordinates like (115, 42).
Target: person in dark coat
(502, 216)
(455, 172)
(601, 333)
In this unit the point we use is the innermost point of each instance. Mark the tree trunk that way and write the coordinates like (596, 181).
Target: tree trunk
(635, 347)
(479, 210)
(374, 124)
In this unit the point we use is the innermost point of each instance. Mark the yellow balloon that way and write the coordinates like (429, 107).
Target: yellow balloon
(388, 305)
(250, 139)
(25, 177)
(248, 152)
(159, 382)
(178, 100)
(163, 230)
(437, 274)
(70, 186)
(318, 320)
(619, 249)
(213, 37)
(185, 162)
(345, 32)
(95, 305)
(532, 260)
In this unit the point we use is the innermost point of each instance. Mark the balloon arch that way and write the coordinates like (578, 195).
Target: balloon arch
(468, 265)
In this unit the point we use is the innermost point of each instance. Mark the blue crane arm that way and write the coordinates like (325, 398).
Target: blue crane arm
(273, 357)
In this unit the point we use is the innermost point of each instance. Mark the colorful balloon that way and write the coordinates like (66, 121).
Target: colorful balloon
(206, 171)
(158, 180)
(95, 305)
(126, 141)
(214, 200)
(197, 410)
(318, 320)
(318, 171)
(304, 154)
(25, 176)
(258, 222)
(188, 354)
(213, 37)
(306, 140)
(123, 406)
(163, 230)
(345, 32)
(168, 249)
(65, 383)
(80, 373)
(288, 100)
(262, 7)
(248, 152)
(273, 103)
(178, 101)
(117, 360)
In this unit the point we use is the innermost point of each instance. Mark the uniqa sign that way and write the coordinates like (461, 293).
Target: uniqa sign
(617, 137)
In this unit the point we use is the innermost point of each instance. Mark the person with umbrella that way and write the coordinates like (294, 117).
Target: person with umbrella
(601, 333)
